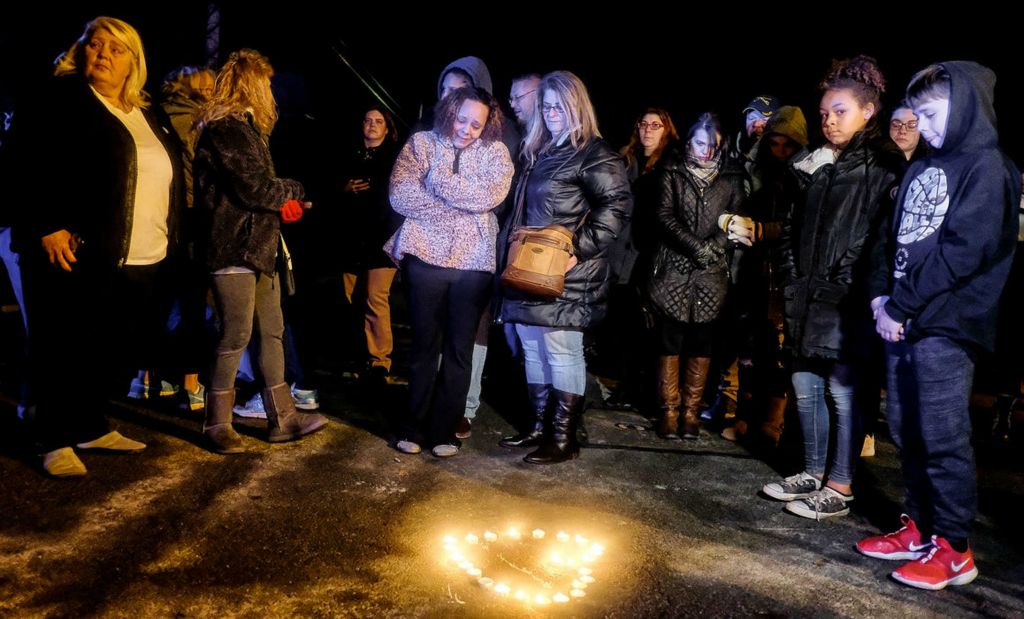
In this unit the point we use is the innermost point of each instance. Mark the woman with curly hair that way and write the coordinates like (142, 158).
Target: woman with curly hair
(246, 203)
(827, 250)
(447, 183)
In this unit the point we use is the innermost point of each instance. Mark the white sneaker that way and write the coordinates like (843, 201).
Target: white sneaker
(793, 487)
(306, 399)
(408, 447)
(444, 451)
(252, 409)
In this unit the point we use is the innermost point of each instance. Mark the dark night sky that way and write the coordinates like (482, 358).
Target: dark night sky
(627, 60)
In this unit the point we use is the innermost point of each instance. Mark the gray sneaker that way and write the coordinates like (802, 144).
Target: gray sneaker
(793, 487)
(824, 503)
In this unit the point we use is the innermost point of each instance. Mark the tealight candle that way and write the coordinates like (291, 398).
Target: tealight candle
(474, 572)
(485, 582)
(501, 589)
(538, 534)
(586, 571)
(465, 565)
(562, 536)
(578, 584)
(471, 539)
(448, 539)
(514, 533)
(561, 598)
(541, 599)
(520, 594)
(582, 541)
(577, 593)
(587, 579)
(490, 537)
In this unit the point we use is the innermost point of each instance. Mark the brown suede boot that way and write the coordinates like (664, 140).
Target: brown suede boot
(774, 415)
(539, 400)
(217, 427)
(284, 423)
(693, 389)
(668, 397)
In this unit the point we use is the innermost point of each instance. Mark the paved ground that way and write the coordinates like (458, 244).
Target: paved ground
(341, 525)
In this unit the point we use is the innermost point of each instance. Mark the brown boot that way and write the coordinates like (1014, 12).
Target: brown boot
(284, 423)
(771, 427)
(217, 427)
(693, 389)
(668, 397)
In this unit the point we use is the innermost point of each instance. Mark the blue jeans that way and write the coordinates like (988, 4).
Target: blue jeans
(809, 382)
(554, 356)
(929, 388)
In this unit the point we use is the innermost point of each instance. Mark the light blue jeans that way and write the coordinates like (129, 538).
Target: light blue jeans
(809, 383)
(554, 356)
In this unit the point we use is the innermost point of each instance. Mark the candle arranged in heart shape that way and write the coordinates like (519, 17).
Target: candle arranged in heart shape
(565, 560)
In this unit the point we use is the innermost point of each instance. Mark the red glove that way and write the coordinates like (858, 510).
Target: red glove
(291, 212)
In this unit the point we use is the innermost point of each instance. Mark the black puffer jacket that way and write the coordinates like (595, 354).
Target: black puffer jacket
(679, 286)
(93, 194)
(829, 247)
(564, 186)
(236, 185)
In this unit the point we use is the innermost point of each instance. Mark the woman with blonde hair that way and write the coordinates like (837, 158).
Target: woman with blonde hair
(245, 203)
(571, 178)
(96, 243)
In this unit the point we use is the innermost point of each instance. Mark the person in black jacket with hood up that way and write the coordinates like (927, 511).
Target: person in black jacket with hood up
(955, 236)
(827, 249)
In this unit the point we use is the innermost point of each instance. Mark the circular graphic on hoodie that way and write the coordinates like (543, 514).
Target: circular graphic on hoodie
(924, 207)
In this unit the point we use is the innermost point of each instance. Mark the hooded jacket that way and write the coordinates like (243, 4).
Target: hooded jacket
(956, 227)
(475, 67)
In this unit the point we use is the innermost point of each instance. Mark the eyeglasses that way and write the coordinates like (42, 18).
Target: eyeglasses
(556, 107)
(910, 125)
(515, 98)
(652, 126)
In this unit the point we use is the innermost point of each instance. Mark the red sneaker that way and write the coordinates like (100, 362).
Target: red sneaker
(943, 566)
(903, 545)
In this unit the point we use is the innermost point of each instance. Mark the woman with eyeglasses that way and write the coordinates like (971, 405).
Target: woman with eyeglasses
(904, 133)
(620, 339)
(698, 193)
(571, 178)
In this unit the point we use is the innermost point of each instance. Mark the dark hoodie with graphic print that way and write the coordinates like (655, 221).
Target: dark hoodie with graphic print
(956, 225)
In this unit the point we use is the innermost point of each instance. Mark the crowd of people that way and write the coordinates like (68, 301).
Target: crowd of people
(762, 270)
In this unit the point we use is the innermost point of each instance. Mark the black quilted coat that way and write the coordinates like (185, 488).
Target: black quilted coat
(686, 217)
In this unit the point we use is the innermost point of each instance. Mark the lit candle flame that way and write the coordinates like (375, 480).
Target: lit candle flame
(514, 533)
(562, 536)
(501, 589)
(472, 539)
(561, 598)
(541, 599)
(474, 572)
(577, 593)
(490, 537)
(587, 579)
(538, 534)
(448, 539)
